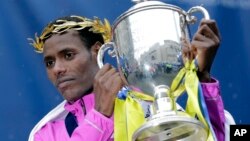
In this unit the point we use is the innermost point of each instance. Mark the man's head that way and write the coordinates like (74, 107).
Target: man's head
(69, 46)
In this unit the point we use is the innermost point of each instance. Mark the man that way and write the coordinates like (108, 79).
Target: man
(70, 46)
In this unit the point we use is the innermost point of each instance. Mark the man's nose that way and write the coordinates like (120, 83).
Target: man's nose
(59, 68)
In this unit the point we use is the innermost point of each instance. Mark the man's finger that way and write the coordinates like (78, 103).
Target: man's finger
(103, 70)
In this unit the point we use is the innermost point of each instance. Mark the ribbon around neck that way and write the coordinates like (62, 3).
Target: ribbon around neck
(129, 115)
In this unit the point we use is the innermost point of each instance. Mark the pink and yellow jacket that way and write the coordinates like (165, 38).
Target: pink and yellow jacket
(93, 126)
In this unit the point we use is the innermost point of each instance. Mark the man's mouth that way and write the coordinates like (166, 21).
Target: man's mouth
(63, 82)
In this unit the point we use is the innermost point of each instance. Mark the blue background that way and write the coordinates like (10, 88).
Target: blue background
(26, 93)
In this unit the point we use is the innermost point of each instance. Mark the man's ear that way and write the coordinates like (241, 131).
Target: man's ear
(94, 50)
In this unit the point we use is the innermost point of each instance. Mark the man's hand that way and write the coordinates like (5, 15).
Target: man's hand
(107, 84)
(203, 47)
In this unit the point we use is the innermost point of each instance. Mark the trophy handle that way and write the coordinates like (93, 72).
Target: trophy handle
(193, 19)
(102, 50)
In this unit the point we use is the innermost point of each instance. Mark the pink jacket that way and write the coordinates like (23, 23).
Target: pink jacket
(93, 126)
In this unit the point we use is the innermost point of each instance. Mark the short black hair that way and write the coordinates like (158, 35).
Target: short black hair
(88, 37)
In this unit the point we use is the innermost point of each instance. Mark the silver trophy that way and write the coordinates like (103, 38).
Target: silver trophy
(147, 47)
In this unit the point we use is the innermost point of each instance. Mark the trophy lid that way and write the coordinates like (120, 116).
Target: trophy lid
(142, 5)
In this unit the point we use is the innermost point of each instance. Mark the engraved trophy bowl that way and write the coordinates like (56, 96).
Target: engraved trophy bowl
(147, 47)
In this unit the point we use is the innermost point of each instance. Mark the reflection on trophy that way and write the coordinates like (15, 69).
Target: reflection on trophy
(147, 46)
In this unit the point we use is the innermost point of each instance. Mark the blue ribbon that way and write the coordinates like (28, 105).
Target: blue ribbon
(122, 94)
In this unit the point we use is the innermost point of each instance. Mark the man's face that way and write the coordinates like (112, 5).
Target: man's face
(70, 66)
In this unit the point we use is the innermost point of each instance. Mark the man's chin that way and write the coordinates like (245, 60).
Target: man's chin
(73, 95)
(70, 97)
(67, 96)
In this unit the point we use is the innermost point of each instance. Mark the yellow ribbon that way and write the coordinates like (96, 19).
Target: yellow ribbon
(191, 82)
(129, 115)
(193, 107)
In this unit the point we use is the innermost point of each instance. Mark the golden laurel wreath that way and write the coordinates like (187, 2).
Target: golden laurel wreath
(96, 26)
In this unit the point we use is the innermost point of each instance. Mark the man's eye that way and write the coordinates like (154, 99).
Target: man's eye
(49, 63)
(69, 55)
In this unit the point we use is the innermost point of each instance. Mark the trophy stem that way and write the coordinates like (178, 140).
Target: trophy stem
(167, 124)
(163, 103)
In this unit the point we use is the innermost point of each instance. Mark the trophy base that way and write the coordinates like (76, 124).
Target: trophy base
(171, 128)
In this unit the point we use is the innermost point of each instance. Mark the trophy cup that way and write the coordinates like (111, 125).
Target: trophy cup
(147, 47)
